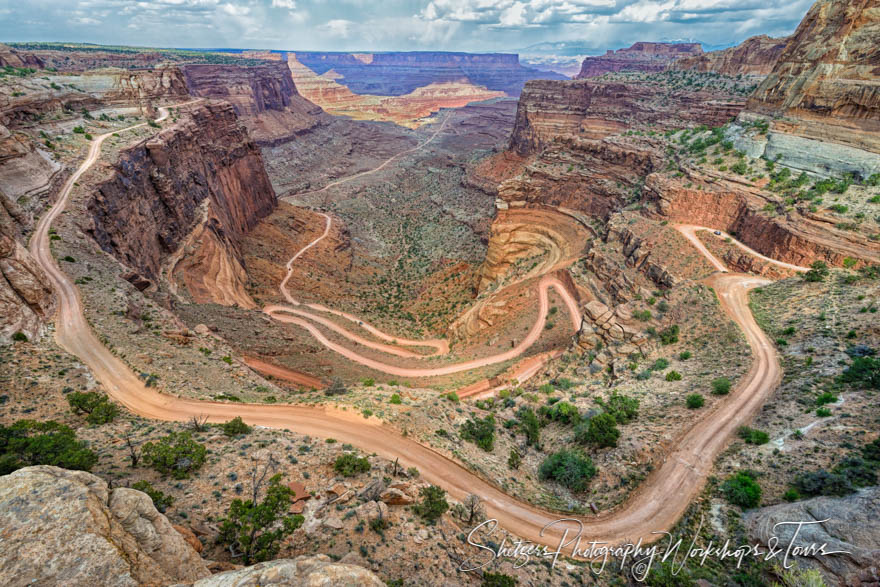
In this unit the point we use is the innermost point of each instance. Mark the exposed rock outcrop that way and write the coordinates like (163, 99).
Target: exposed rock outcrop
(27, 301)
(824, 87)
(754, 56)
(305, 571)
(408, 110)
(395, 74)
(264, 96)
(193, 190)
(65, 527)
(848, 524)
(647, 57)
(10, 57)
(593, 109)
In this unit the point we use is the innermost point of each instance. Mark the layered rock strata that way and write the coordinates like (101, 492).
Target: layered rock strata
(642, 56)
(754, 56)
(190, 192)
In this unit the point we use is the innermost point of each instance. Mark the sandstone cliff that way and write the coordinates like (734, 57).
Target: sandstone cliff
(264, 96)
(647, 57)
(825, 83)
(10, 57)
(395, 74)
(593, 109)
(27, 301)
(754, 56)
(192, 191)
(65, 527)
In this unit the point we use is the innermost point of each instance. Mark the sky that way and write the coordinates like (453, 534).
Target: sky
(394, 25)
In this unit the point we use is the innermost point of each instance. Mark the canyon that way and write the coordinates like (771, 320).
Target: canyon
(384, 254)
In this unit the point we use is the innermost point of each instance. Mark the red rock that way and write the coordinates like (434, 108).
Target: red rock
(647, 57)
(189, 537)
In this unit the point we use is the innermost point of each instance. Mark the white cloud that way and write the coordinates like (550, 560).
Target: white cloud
(288, 4)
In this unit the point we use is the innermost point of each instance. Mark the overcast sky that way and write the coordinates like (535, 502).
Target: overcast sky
(345, 25)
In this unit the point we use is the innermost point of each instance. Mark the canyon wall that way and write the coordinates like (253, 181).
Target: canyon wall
(647, 57)
(754, 56)
(593, 109)
(824, 87)
(10, 57)
(264, 96)
(192, 191)
(27, 301)
(396, 74)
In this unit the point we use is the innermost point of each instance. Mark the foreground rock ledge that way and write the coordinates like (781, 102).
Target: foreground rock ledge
(305, 571)
(60, 527)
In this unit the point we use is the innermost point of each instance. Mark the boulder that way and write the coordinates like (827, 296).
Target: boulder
(850, 524)
(303, 571)
(393, 496)
(65, 527)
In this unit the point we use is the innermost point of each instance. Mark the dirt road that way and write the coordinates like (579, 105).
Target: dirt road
(656, 506)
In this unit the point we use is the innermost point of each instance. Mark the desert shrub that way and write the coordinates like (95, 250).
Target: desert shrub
(433, 504)
(480, 431)
(96, 405)
(161, 500)
(395, 399)
(253, 530)
(624, 409)
(721, 386)
(673, 376)
(176, 454)
(753, 436)
(529, 425)
(498, 580)
(19, 336)
(235, 427)
(600, 430)
(28, 442)
(863, 372)
(818, 272)
(562, 412)
(684, 355)
(571, 468)
(336, 387)
(823, 483)
(669, 335)
(514, 459)
(694, 401)
(826, 397)
(349, 465)
(660, 364)
(742, 489)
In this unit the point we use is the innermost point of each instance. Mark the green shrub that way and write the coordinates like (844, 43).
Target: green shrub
(753, 436)
(741, 489)
(19, 337)
(395, 399)
(453, 397)
(562, 412)
(826, 397)
(660, 364)
(721, 386)
(624, 409)
(96, 405)
(160, 500)
(864, 372)
(669, 335)
(28, 442)
(497, 580)
(480, 431)
(514, 459)
(818, 272)
(433, 504)
(176, 454)
(600, 430)
(254, 530)
(673, 376)
(684, 355)
(823, 412)
(695, 400)
(235, 427)
(529, 425)
(349, 465)
(571, 468)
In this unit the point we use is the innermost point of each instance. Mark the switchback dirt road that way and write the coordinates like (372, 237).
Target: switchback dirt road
(655, 506)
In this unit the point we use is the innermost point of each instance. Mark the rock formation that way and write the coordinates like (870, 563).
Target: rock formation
(27, 301)
(312, 571)
(264, 96)
(822, 96)
(65, 527)
(191, 191)
(10, 57)
(407, 110)
(754, 56)
(849, 524)
(648, 57)
(396, 74)
(592, 109)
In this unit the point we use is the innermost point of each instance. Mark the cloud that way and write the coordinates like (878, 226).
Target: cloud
(467, 25)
